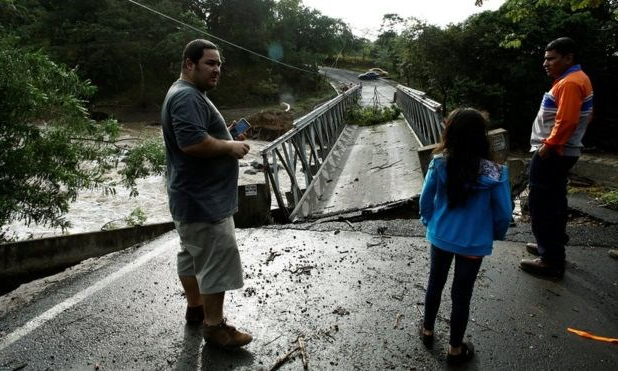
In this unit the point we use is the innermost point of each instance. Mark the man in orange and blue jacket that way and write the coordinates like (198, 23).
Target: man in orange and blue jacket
(556, 143)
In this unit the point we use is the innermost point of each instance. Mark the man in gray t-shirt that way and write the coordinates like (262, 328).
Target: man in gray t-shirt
(202, 185)
(199, 189)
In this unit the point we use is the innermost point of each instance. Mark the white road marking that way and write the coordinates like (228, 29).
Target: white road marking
(80, 296)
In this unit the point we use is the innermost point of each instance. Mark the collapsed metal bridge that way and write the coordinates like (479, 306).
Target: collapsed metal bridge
(323, 167)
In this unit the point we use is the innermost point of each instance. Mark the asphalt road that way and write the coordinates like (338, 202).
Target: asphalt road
(353, 291)
(379, 92)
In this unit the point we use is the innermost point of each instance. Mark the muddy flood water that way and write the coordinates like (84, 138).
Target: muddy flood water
(92, 210)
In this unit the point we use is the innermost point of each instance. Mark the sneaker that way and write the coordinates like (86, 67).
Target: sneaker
(226, 336)
(539, 267)
(533, 248)
(613, 253)
(467, 352)
(195, 315)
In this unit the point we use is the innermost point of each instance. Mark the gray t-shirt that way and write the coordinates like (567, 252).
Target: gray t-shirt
(199, 189)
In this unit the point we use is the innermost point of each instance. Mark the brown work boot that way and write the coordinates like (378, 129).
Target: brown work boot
(613, 253)
(540, 267)
(226, 336)
(532, 248)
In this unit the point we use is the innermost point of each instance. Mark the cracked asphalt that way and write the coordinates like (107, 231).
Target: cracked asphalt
(351, 292)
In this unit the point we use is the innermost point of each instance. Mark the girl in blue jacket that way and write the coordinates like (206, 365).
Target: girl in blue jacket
(465, 205)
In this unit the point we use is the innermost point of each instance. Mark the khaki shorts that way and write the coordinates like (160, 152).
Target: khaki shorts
(209, 252)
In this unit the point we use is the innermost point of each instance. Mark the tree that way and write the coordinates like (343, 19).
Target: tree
(386, 49)
(117, 45)
(51, 148)
(493, 62)
(594, 26)
(46, 136)
(573, 4)
(131, 54)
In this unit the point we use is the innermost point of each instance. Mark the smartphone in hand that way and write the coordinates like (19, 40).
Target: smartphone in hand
(241, 126)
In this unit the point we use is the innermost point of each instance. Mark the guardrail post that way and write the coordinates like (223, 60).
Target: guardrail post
(253, 205)
(499, 144)
(424, 156)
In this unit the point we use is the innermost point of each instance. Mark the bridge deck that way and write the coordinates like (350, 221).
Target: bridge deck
(371, 166)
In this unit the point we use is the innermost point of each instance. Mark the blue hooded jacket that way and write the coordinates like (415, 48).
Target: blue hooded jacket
(470, 229)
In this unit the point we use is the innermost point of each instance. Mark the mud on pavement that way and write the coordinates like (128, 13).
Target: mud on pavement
(351, 298)
(347, 296)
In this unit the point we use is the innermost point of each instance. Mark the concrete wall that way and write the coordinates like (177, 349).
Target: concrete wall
(499, 144)
(253, 206)
(26, 260)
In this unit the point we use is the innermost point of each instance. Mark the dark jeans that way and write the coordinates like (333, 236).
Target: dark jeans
(548, 206)
(466, 270)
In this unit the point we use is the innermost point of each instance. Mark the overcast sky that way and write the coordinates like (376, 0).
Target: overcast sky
(365, 16)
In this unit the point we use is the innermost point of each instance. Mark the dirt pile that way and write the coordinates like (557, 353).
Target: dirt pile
(269, 125)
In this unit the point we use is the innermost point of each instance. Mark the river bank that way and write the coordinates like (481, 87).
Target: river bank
(94, 210)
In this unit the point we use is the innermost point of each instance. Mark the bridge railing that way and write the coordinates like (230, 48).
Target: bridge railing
(299, 153)
(424, 115)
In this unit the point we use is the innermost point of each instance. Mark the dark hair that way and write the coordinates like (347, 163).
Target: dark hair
(194, 50)
(464, 144)
(564, 46)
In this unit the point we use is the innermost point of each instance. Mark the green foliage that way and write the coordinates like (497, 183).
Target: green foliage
(118, 45)
(574, 4)
(493, 61)
(369, 116)
(136, 218)
(132, 54)
(607, 195)
(610, 199)
(285, 31)
(146, 159)
(51, 149)
(519, 10)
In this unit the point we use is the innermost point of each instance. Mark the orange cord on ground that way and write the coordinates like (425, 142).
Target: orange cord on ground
(592, 336)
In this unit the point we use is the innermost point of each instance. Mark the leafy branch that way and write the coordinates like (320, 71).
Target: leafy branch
(51, 147)
(369, 116)
(137, 217)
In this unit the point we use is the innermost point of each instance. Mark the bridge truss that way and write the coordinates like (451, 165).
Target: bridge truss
(300, 152)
